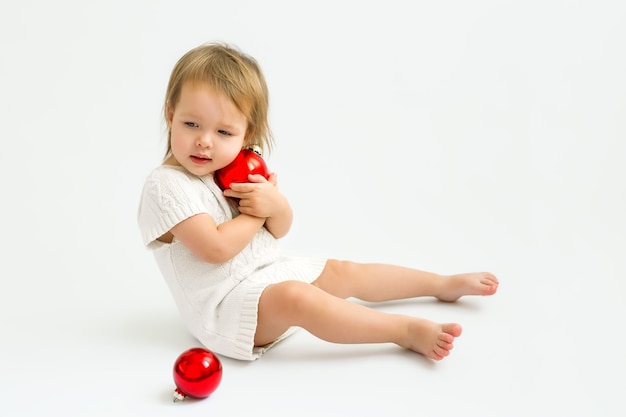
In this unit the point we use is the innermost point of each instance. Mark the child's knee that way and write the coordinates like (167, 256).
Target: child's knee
(295, 295)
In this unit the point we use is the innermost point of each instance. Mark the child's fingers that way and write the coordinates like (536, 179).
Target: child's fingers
(256, 178)
(243, 187)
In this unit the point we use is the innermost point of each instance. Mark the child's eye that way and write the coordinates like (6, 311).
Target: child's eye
(191, 124)
(224, 132)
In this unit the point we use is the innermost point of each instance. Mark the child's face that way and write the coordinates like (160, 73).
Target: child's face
(207, 130)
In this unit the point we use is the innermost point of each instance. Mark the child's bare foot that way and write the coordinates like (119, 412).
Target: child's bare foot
(431, 339)
(476, 283)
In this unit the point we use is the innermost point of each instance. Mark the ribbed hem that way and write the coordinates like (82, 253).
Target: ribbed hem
(244, 343)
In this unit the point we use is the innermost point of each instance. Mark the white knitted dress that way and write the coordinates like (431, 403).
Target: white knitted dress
(217, 302)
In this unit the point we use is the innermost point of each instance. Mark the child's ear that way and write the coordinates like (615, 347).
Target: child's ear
(169, 116)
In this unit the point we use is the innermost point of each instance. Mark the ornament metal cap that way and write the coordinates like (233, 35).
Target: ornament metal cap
(178, 396)
(255, 148)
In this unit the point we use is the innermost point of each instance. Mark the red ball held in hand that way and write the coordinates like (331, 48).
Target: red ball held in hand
(197, 373)
(248, 161)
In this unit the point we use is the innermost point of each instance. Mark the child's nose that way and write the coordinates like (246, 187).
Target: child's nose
(205, 140)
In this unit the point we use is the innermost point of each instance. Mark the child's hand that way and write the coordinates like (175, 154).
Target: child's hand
(259, 197)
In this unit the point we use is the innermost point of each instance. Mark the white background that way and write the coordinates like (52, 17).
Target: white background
(450, 136)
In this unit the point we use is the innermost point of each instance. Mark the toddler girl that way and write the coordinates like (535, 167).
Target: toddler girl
(219, 253)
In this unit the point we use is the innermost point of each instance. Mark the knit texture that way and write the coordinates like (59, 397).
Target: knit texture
(218, 302)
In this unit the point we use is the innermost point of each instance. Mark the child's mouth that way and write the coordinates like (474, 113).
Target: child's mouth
(201, 160)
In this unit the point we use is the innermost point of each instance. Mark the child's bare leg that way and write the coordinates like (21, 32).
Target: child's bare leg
(381, 282)
(337, 320)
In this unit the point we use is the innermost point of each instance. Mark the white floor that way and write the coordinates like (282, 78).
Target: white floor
(448, 137)
(549, 343)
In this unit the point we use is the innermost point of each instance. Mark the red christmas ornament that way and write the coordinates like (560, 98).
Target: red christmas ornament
(197, 373)
(248, 161)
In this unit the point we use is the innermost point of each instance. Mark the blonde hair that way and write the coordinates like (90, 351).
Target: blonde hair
(232, 73)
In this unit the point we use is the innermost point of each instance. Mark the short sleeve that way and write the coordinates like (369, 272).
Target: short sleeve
(169, 196)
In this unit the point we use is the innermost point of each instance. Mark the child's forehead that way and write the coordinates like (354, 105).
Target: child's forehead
(198, 92)
(200, 100)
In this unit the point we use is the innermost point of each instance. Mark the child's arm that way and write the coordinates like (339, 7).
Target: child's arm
(261, 198)
(217, 244)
